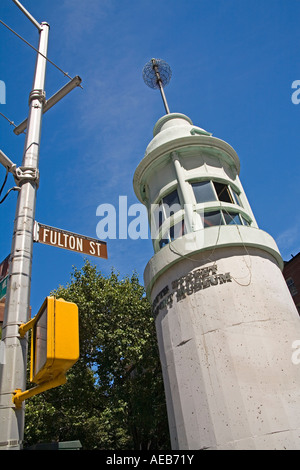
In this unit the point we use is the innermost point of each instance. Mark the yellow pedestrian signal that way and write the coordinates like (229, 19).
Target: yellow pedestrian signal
(55, 340)
(54, 345)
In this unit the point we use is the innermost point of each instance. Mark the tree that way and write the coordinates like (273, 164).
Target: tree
(114, 397)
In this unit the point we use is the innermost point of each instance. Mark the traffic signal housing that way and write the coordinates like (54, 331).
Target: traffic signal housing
(54, 346)
(55, 340)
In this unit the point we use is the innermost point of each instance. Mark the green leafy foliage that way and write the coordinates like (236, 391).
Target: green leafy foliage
(114, 397)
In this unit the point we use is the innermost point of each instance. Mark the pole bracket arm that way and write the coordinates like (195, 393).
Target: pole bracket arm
(48, 104)
(25, 174)
(19, 396)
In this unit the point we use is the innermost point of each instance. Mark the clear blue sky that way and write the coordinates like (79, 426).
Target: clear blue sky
(233, 63)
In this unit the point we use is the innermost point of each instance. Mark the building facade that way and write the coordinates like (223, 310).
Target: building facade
(291, 272)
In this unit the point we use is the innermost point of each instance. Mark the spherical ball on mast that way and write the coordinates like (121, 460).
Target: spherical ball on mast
(150, 74)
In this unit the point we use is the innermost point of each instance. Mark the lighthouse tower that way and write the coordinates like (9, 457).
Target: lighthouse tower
(225, 320)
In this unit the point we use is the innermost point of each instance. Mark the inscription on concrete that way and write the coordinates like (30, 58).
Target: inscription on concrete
(194, 281)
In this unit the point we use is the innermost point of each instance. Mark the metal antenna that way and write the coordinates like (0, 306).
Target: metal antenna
(157, 74)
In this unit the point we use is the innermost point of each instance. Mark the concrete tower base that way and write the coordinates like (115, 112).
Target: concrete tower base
(225, 328)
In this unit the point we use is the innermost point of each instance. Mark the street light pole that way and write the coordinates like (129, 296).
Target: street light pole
(17, 304)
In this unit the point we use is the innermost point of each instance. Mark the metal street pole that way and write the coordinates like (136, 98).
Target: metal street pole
(17, 305)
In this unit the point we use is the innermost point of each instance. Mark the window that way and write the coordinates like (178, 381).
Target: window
(177, 230)
(212, 218)
(171, 199)
(206, 191)
(236, 197)
(223, 193)
(291, 286)
(245, 221)
(232, 218)
(209, 219)
(163, 242)
(168, 205)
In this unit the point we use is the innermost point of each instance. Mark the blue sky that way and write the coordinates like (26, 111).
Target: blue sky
(233, 64)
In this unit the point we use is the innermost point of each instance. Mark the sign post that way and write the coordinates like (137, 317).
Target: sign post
(17, 297)
(17, 304)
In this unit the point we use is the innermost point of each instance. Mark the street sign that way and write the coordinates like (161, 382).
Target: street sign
(4, 267)
(3, 282)
(70, 241)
